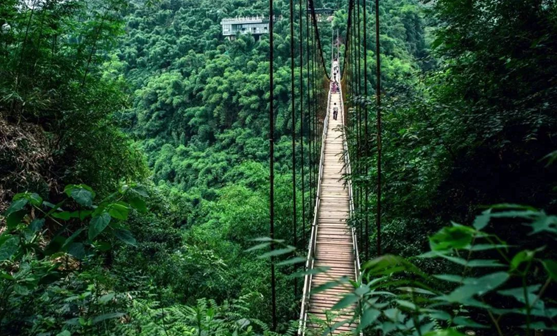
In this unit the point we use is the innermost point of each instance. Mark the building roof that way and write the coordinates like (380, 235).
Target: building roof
(245, 19)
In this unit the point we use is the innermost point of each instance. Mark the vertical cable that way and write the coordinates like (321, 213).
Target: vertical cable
(293, 100)
(379, 149)
(272, 163)
(313, 114)
(302, 159)
(359, 114)
(308, 112)
(366, 137)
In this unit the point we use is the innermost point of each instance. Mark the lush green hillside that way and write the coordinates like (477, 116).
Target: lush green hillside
(134, 171)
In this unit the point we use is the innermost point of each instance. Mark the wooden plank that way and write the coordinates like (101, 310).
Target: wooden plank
(334, 245)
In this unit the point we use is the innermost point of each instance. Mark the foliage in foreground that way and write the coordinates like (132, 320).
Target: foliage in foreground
(503, 286)
(54, 260)
(58, 274)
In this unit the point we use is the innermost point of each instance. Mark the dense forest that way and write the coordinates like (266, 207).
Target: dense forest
(134, 166)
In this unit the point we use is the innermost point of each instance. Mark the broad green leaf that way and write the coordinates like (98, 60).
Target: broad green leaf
(140, 190)
(32, 198)
(77, 250)
(6, 276)
(474, 262)
(439, 315)
(389, 264)
(387, 327)
(36, 224)
(15, 218)
(518, 293)
(508, 206)
(72, 238)
(118, 210)
(81, 193)
(527, 214)
(105, 317)
(551, 268)
(362, 290)
(485, 247)
(267, 239)
(544, 223)
(8, 246)
(467, 322)
(82, 214)
(106, 298)
(277, 252)
(456, 237)
(313, 271)
(427, 327)
(125, 236)
(16, 206)
(64, 333)
(98, 224)
(430, 254)
(345, 302)
(406, 304)
(258, 247)
(243, 323)
(520, 258)
(484, 263)
(392, 314)
(449, 277)
(368, 317)
(63, 215)
(415, 290)
(476, 286)
(482, 220)
(138, 204)
(292, 261)
(335, 326)
(539, 325)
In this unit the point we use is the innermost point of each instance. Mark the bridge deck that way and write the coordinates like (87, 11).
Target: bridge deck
(334, 247)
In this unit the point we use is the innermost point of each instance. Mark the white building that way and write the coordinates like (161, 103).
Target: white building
(256, 26)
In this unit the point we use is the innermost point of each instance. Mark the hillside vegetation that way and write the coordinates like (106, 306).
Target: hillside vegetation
(134, 163)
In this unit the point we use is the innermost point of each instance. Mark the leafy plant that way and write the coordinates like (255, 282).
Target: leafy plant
(50, 254)
(494, 285)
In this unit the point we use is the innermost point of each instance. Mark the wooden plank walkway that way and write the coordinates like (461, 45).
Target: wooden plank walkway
(334, 245)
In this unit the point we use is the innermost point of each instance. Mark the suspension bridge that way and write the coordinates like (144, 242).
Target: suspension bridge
(333, 244)
(333, 258)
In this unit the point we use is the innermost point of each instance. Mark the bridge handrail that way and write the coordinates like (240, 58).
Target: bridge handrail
(313, 237)
(347, 172)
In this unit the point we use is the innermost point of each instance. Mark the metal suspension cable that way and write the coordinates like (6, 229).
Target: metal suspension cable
(355, 110)
(366, 138)
(302, 159)
(348, 36)
(272, 163)
(359, 113)
(309, 107)
(293, 116)
(316, 32)
(378, 101)
(308, 114)
(314, 116)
